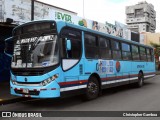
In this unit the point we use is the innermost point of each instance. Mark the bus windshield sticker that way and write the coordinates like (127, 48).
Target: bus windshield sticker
(29, 64)
(23, 65)
(46, 63)
(19, 62)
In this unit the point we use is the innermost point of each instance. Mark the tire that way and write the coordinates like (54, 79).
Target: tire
(93, 89)
(140, 80)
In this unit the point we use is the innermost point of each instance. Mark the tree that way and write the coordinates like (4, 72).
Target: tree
(156, 53)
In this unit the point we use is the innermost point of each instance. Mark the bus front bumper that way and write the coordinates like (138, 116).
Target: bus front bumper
(52, 90)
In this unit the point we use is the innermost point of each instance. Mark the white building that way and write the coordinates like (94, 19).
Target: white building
(141, 17)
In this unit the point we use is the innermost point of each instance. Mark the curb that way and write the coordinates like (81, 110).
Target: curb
(14, 100)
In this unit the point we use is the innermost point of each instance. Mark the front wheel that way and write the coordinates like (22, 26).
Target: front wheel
(92, 90)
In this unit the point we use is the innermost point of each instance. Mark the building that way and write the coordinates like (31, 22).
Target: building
(141, 17)
(148, 38)
(21, 11)
(16, 12)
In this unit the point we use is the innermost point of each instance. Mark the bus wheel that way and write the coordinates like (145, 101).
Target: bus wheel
(140, 80)
(92, 90)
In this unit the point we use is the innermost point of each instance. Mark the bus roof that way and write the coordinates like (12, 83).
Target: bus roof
(86, 30)
(104, 34)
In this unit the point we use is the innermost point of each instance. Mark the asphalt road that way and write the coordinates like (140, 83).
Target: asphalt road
(124, 98)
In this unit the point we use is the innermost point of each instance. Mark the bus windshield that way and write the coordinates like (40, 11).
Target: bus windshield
(37, 51)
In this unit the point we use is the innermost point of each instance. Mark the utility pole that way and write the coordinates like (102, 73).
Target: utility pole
(83, 8)
(32, 10)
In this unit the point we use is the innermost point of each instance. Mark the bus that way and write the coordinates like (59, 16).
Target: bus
(5, 60)
(56, 59)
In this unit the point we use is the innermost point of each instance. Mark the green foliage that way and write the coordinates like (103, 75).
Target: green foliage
(81, 23)
(156, 50)
(155, 45)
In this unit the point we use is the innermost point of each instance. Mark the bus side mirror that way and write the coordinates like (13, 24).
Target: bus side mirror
(68, 44)
(9, 44)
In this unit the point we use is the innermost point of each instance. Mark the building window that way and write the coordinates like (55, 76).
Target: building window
(131, 15)
(139, 13)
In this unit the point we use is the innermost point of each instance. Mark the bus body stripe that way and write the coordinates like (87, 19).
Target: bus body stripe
(149, 76)
(73, 88)
(73, 85)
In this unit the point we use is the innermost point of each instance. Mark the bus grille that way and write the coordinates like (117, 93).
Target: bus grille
(28, 73)
(28, 83)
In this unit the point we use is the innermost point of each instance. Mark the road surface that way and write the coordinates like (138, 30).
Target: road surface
(124, 98)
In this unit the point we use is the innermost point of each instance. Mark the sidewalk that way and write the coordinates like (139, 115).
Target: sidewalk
(5, 95)
(157, 72)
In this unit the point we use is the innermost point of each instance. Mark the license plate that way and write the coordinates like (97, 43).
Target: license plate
(25, 91)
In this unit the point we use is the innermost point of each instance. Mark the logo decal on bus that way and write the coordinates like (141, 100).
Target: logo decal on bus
(25, 79)
(105, 67)
(118, 66)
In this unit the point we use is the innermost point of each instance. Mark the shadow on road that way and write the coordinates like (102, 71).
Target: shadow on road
(60, 103)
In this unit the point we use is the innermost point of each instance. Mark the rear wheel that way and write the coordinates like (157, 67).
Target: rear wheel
(92, 90)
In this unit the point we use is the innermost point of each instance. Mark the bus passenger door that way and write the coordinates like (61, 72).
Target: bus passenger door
(71, 50)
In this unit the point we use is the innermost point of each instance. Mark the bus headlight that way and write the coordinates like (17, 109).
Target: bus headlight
(13, 81)
(49, 80)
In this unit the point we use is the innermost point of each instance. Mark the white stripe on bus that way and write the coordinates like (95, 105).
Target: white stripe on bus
(73, 88)
(121, 80)
(149, 76)
(133, 78)
(103, 83)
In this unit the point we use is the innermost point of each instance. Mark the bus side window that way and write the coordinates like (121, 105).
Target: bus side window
(135, 52)
(63, 46)
(149, 55)
(143, 54)
(104, 48)
(76, 44)
(116, 50)
(91, 46)
(152, 54)
(126, 51)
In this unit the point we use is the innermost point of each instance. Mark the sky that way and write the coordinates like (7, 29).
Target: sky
(103, 10)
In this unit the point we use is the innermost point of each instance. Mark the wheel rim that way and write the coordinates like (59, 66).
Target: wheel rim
(92, 88)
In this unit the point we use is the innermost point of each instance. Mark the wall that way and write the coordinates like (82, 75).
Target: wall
(20, 11)
(151, 37)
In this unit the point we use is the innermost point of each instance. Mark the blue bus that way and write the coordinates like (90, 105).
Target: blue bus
(5, 60)
(56, 59)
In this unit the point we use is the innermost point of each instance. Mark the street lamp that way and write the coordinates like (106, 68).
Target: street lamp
(83, 8)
